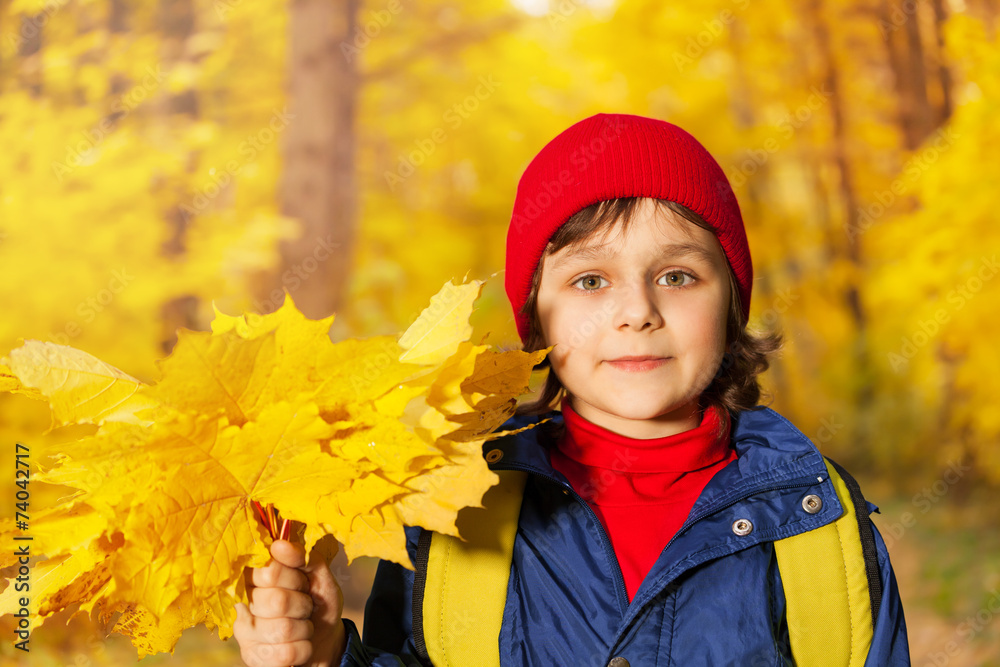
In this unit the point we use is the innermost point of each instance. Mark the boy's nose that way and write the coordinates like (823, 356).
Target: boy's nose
(637, 308)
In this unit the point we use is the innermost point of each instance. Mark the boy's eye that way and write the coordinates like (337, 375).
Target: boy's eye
(591, 283)
(676, 278)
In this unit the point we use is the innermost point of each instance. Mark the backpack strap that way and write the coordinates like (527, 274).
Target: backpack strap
(450, 622)
(833, 568)
(867, 536)
(836, 564)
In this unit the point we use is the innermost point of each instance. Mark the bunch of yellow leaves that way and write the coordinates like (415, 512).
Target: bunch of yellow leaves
(352, 440)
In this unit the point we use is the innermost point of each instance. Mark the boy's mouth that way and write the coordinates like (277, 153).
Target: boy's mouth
(635, 364)
(644, 357)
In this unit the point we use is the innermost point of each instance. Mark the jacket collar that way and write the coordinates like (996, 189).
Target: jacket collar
(776, 463)
(770, 451)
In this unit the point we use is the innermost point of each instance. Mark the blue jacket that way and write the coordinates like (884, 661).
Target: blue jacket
(712, 597)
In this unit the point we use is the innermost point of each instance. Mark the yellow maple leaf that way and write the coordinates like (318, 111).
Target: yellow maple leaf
(352, 440)
(80, 388)
(9, 383)
(436, 333)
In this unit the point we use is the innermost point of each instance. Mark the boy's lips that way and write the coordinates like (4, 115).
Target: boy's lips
(643, 357)
(635, 364)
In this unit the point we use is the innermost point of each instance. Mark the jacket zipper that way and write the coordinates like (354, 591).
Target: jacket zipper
(609, 548)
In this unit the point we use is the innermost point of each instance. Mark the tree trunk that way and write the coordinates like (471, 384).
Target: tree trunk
(743, 105)
(319, 185)
(923, 115)
(901, 32)
(177, 20)
(864, 389)
(29, 53)
(118, 16)
(944, 73)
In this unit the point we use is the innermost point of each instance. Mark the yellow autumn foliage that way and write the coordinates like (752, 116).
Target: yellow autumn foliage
(353, 440)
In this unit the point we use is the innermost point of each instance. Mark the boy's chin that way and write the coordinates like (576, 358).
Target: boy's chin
(641, 407)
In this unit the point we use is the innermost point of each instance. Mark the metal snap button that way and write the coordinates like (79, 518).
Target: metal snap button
(618, 661)
(494, 455)
(812, 503)
(742, 526)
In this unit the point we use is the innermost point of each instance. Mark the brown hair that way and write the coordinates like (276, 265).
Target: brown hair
(735, 386)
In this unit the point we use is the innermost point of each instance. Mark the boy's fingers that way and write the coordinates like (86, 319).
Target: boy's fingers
(324, 588)
(278, 602)
(288, 553)
(292, 653)
(269, 655)
(244, 623)
(242, 613)
(283, 630)
(276, 575)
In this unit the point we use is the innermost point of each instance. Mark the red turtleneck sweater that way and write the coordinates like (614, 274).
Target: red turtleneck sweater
(642, 490)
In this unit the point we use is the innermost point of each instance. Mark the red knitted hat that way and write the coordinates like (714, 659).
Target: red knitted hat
(608, 156)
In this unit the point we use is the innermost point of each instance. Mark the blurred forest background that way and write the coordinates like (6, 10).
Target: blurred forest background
(161, 155)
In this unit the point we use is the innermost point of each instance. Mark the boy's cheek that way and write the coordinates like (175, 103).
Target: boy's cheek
(706, 328)
(579, 330)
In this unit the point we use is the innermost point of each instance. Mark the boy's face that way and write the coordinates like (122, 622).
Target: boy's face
(661, 290)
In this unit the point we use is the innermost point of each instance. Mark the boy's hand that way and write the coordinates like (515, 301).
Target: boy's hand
(295, 612)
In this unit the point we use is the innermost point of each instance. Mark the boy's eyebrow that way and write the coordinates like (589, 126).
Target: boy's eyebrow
(591, 253)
